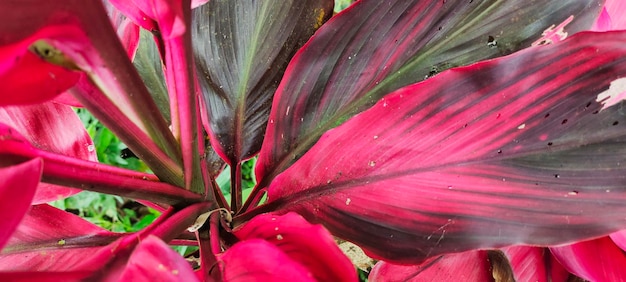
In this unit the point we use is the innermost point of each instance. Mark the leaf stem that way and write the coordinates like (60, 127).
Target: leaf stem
(235, 187)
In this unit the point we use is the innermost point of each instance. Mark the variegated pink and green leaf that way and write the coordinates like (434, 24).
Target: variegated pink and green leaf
(523, 149)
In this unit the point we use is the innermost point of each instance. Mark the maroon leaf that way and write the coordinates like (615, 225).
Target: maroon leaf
(54, 128)
(309, 245)
(242, 50)
(517, 150)
(49, 239)
(468, 266)
(17, 189)
(153, 260)
(593, 260)
(534, 264)
(375, 47)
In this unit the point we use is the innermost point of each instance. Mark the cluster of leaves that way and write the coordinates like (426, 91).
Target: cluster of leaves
(442, 137)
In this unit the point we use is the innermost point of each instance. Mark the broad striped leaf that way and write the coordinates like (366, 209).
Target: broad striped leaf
(520, 150)
(375, 47)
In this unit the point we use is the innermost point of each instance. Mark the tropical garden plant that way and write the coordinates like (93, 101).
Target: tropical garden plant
(458, 140)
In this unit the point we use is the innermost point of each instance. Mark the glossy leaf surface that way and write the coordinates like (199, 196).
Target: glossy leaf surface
(153, 260)
(259, 260)
(242, 50)
(148, 63)
(72, 172)
(17, 189)
(612, 17)
(312, 246)
(593, 260)
(78, 35)
(375, 47)
(49, 239)
(519, 150)
(619, 238)
(467, 266)
(534, 264)
(54, 128)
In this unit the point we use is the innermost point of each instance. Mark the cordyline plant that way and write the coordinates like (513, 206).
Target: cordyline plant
(462, 140)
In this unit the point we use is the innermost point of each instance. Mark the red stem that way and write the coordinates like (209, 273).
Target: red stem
(179, 72)
(86, 175)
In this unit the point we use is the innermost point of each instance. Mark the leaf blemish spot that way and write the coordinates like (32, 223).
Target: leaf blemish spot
(491, 42)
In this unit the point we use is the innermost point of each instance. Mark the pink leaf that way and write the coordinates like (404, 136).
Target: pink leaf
(54, 128)
(17, 189)
(153, 260)
(612, 16)
(467, 266)
(516, 150)
(619, 238)
(534, 264)
(49, 239)
(130, 9)
(594, 260)
(309, 245)
(27, 79)
(127, 31)
(66, 98)
(259, 260)
(167, 13)
(78, 34)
